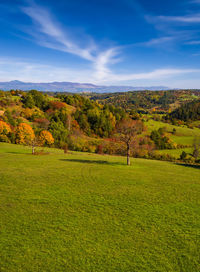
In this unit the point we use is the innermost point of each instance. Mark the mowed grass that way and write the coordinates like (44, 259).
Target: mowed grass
(175, 153)
(183, 136)
(182, 132)
(86, 212)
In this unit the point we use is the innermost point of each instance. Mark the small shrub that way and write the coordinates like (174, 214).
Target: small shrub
(183, 156)
(99, 149)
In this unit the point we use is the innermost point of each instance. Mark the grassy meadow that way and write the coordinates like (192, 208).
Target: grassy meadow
(182, 132)
(183, 136)
(87, 212)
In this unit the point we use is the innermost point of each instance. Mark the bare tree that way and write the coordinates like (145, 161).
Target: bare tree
(69, 121)
(196, 148)
(127, 131)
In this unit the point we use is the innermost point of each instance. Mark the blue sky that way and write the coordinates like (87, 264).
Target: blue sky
(105, 42)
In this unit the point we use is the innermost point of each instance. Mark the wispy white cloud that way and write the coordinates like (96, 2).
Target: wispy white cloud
(185, 19)
(194, 18)
(101, 63)
(46, 25)
(175, 29)
(195, 1)
(28, 71)
(158, 41)
(49, 33)
(193, 42)
(156, 74)
(35, 72)
(55, 38)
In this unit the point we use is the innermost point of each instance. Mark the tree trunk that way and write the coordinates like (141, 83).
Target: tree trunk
(128, 155)
(69, 122)
(33, 149)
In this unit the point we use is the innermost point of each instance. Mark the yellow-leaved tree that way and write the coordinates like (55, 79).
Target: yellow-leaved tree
(46, 138)
(4, 131)
(24, 134)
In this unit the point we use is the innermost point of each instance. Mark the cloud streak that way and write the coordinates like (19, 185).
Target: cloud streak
(46, 25)
(35, 72)
(195, 2)
(49, 33)
(195, 18)
(158, 41)
(193, 42)
(55, 38)
(156, 74)
(180, 29)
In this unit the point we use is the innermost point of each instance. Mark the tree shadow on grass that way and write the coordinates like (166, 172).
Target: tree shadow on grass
(189, 165)
(20, 153)
(92, 161)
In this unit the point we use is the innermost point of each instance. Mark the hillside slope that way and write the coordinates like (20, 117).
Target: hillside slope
(83, 212)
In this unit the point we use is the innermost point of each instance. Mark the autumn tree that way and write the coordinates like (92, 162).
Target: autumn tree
(41, 123)
(46, 138)
(4, 131)
(57, 105)
(127, 131)
(24, 134)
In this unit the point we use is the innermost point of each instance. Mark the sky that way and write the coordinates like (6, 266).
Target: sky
(104, 42)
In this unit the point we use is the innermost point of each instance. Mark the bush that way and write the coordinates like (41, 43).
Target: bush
(161, 140)
(183, 156)
(4, 138)
(161, 157)
(99, 149)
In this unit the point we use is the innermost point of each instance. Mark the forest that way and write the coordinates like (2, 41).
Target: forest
(93, 123)
(186, 112)
(148, 101)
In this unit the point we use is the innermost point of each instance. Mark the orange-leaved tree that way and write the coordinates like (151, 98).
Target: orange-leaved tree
(4, 128)
(127, 131)
(4, 131)
(46, 138)
(24, 134)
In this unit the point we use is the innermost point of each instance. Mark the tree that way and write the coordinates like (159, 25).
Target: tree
(4, 128)
(161, 140)
(57, 105)
(29, 101)
(46, 138)
(24, 134)
(183, 156)
(41, 123)
(37, 99)
(59, 132)
(127, 131)
(196, 148)
(4, 131)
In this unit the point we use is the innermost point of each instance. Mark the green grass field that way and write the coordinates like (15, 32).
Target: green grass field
(86, 212)
(175, 152)
(180, 130)
(184, 136)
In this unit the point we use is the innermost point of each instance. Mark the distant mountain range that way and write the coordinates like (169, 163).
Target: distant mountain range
(72, 87)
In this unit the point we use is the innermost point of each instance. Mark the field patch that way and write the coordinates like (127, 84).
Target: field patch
(88, 212)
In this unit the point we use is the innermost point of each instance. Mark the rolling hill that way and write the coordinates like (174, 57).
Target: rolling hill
(88, 212)
(71, 87)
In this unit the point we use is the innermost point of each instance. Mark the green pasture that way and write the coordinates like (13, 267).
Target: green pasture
(175, 152)
(183, 134)
(180, 130)
(88, 212)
